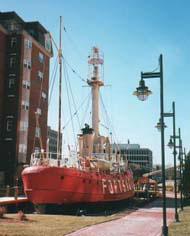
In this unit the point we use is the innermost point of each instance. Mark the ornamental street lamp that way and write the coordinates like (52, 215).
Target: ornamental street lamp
(158, 125)
(142, 92)
(173, 145)
(170, 143)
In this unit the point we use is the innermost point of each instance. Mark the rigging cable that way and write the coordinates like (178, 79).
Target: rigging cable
(87, 97)
(39, 103)
(76, 49)
(72, 97)
(105, 120)
(109, 120)
(86, 110)
(52, 85)
(80, 77)
(67, 89)
(53, 72)
(77, 74)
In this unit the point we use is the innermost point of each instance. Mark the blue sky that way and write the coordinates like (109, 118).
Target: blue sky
(132, 34)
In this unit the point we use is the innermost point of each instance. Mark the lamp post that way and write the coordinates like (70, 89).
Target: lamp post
(142, 92)
(184, 174)
(173, 145)
(180, 158)
(181, 163)
(181, 175)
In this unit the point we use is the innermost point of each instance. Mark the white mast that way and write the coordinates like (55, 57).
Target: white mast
(95, 63)
(59, 143)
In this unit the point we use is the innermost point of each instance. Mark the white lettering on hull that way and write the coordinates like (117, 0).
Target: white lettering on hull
(104, 185)
(127, 184)
(120, 187)
(110, 187)
(124, 186)
(116, 186)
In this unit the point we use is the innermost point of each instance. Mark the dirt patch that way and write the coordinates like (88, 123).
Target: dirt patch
(15, 220)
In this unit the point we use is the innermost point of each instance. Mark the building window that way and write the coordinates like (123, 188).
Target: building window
(25, 105)
(9, 124)
(37, 132)
(23, 125)
(27, 63)
(40, 75)
(26, 84)
(44, 95)
(13, 26)
(28, 43)
(22, 148)
(48, 42)
(13, 42)
(8, 139)
(39, 111)
(40, 57)
(12, 62)
(11, 83)
(11, 95)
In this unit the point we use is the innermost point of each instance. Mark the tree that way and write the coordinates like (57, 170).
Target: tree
(187, 176)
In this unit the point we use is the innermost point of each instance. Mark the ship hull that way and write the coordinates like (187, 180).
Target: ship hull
(59, 185)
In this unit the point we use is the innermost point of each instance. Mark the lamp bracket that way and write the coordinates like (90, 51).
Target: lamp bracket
(148, 75)
(175, 136)
(169, 114)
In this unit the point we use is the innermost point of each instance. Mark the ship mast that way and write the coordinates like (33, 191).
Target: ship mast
(95, 63)
(59, 140)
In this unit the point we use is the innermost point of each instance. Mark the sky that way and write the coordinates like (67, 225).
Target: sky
(131, 34)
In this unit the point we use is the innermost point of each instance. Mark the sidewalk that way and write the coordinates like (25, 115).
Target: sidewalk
(146, 221)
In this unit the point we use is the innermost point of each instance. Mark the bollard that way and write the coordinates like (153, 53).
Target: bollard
(7, 191)
(16, 192)
(21, 216)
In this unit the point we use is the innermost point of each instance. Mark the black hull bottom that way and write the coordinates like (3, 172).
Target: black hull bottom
(100, 208)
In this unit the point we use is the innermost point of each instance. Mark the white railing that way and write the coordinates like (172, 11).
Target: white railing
(101, 156)
(47, 159)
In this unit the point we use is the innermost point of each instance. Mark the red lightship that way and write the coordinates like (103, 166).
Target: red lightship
(98, 175)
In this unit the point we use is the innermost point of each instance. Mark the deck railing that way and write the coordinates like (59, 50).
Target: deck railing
(48, 159)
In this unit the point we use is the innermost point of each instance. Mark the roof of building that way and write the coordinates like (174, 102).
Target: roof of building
(4, 16)
(13, 22)
(10, 15)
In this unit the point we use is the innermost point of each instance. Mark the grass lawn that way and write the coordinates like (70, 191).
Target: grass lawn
(48, 225)
(183, 227)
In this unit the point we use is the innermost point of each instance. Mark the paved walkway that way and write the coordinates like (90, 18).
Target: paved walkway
(146, 221)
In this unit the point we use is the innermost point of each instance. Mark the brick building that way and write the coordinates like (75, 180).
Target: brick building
(25, 52)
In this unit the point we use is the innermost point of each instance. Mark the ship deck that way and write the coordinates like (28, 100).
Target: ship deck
(12, 200)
